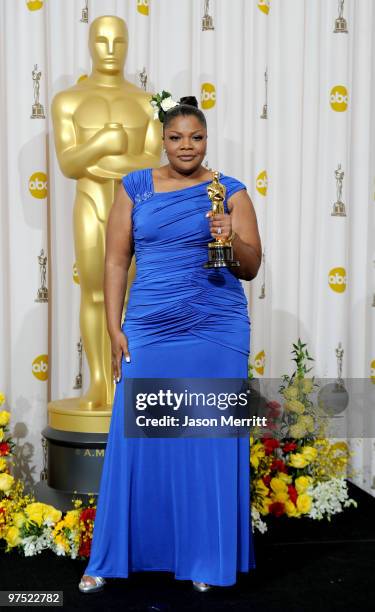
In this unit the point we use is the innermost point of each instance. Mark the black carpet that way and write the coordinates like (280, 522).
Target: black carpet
(302, 565)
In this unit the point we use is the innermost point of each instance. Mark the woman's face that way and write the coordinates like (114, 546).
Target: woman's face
(185, 141)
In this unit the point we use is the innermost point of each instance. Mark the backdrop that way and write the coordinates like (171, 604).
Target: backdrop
(290, 105)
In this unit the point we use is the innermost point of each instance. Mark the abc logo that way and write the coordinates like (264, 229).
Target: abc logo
(372, 370)
(34, 5)
(142, 7)
(75, 274)
(81, 78)
(339, 98)
(264, 5)
(261, 182)
(40, 367)
(337, 279)
(38, 185)
(259, 362)
(208, 95)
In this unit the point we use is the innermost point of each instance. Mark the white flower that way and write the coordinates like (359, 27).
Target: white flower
(329, 497)
(156, 113)
(256, 521)
(168, 103)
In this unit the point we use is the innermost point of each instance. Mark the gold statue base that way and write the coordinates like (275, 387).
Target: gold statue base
(66, 415)
(220, 255)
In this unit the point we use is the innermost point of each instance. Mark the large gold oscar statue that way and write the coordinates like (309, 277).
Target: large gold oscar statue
(103, 129)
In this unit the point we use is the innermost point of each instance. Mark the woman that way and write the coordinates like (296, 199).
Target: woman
(176, 504)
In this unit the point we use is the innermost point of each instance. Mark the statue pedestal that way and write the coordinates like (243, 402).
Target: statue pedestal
(76, 441)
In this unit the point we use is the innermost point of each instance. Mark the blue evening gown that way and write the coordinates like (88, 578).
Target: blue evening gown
(176, 504)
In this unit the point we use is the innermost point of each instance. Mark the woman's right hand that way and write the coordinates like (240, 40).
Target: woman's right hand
(119, 344)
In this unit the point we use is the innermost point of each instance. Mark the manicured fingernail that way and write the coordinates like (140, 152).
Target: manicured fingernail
(118, 379)
(207, 214)
(127, 359)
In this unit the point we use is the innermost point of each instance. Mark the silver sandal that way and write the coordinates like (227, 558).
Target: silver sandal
(86, 586)
(201, 586)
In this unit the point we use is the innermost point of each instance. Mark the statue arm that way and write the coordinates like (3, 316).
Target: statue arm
(73, 158)
(150, 157)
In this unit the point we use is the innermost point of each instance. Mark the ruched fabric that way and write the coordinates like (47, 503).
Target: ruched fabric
(182, 504)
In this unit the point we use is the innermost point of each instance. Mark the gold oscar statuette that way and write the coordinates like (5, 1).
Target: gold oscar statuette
(220, 251)
(103, 129)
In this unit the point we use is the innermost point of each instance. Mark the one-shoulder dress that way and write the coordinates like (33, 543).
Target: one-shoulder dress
(181, 504)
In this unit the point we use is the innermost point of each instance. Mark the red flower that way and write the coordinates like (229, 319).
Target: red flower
(292, 493)
(267, 479)
(4, 448)
(85, 548)
(270, 444)
(274, 406)
(88, 514)
(289, 446)
(279, 465)
(277, 508)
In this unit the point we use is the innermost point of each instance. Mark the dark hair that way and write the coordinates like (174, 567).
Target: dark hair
(187, 105)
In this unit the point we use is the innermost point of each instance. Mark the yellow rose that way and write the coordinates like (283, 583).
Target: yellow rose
(290, 393)
(3, 464)
(285, 477)
(36, 517)
(72, 518)
(265, 505)
(310, 453)
(2, 398)
(6, 482)
(280, 496)
(307, 421)
(297, 430)
(34, 506)
(297, 460)
(304, 503)
(302, 482)
(307, 385)
(278, 486)
(261, 488)
(50, 513)
(295, 406)
(35, 512)
(256, 454)
(4, 418)
(19, 519)
(12, 536)
(290, 508)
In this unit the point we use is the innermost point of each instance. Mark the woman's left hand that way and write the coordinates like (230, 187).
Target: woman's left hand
(223, 223)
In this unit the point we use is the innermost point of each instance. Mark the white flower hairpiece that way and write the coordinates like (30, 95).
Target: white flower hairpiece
(161, 103)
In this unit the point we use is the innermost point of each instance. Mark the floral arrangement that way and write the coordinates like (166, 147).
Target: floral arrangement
(31, 526)
(298, 472)
(161, 103)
